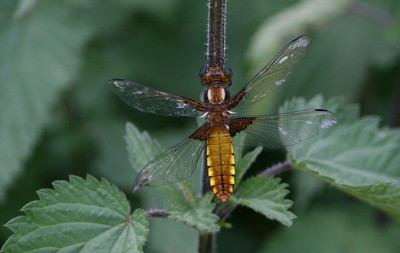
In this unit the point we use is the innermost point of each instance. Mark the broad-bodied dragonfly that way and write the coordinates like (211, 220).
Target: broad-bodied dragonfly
(215, 135)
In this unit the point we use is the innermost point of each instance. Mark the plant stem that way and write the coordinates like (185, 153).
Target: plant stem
(216, 33)
(215, 58)
(206, 242)
(369, 11)
(205, 181)
(156, 214)
(276, 169)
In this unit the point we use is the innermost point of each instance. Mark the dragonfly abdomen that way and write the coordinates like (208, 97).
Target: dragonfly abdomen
(221, 162)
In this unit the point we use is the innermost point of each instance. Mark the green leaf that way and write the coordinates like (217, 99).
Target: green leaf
(141, 147)
(38, 59)
(80, 216)
(381, 195)
(289, 23)
(244, 163)
(197, 214)
(335, 228)
(267, 196)
(356, 156)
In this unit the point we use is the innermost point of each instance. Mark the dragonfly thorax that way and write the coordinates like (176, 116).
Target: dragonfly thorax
(216, 95)
(218, 118)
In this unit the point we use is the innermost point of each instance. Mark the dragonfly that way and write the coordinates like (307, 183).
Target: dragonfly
(219, 110)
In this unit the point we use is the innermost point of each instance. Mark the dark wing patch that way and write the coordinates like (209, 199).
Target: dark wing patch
(239, 124)
(201, 132)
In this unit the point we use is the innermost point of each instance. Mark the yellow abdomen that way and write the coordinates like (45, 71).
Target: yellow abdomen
(221, 162)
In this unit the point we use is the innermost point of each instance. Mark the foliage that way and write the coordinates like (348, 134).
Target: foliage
(77, 207)
(356, 156)
(80, 216)
(57, 120)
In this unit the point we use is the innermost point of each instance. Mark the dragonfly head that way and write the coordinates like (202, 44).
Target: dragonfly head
(215, 76)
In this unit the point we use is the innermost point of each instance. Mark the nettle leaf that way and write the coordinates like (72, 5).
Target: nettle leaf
(356, 156)
(267, 196)
(196, 212)
(39, 57)
(78, 216)
(288, 23)
(244, 163)
(182, 205)
(141, 147)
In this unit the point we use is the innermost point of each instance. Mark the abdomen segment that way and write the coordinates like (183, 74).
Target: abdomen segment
(221, 162)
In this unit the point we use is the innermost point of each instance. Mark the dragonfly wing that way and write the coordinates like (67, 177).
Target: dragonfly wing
(272, 76)
(154, 101)
(281, 130)
(175, 164)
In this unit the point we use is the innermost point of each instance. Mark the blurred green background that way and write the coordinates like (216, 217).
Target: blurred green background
(57, 119)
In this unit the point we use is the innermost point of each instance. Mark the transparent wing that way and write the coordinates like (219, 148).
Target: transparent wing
(273, 75)
(154, 101)
(175, 164)
(281, 130)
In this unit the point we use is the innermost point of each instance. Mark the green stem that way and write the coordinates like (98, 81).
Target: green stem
(206, 242)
